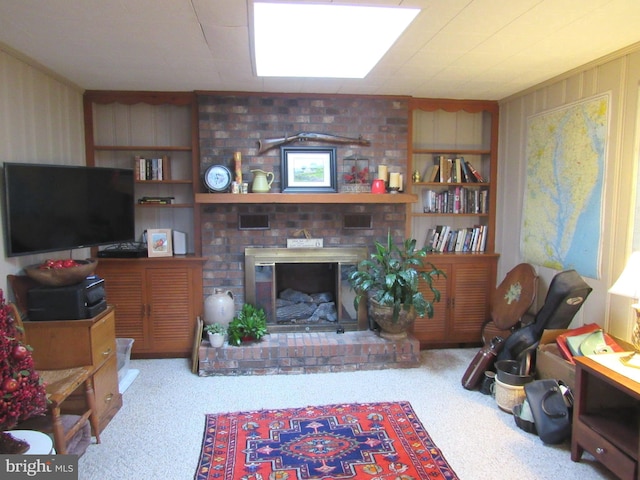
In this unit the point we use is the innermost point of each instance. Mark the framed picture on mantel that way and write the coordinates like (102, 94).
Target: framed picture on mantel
(309, 169)
(159, 242)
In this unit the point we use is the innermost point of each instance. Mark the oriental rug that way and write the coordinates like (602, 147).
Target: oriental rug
(373, 441)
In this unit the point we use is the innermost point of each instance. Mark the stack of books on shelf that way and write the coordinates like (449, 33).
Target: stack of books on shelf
(152, 168)
(443, 238)
(451, 170)
(455, 200)
(156, 200)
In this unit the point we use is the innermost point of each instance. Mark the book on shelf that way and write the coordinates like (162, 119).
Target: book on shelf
(152, 168)
(466, 173)
(446, 239)
(475, 172)
(454, 200)
(446, 169)
(431, 173)
(156, 200)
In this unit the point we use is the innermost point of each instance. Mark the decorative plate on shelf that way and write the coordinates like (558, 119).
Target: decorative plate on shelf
(217, 178)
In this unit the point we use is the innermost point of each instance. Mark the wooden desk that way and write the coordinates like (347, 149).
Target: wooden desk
(606, 418)
(61, 344)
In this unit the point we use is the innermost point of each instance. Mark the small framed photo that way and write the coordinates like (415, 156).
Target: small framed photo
(159, 242)
(309, 169)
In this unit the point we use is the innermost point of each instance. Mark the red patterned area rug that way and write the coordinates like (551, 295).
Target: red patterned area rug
(373, 441)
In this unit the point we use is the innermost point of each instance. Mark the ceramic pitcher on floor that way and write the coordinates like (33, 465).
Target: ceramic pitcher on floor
(219, 307)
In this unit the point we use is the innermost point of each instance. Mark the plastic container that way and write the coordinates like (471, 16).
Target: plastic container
(123, 346)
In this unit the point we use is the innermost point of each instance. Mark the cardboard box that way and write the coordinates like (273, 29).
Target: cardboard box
(549, 360)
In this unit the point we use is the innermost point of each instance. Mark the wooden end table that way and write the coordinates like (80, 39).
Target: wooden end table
(606, 418)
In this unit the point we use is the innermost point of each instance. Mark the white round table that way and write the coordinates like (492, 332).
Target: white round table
(39, 443)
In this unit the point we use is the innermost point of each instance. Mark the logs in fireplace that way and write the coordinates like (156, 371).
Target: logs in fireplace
(304, 289)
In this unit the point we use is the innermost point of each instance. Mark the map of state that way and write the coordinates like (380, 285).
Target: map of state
(562, 214)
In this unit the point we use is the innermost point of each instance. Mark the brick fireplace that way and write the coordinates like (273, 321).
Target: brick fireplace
(224, 243)
(314, 278)
(235, 122)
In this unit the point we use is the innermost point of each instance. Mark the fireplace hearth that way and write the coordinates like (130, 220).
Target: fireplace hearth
(304, 289)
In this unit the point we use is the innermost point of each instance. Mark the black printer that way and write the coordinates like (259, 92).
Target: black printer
(73, 302)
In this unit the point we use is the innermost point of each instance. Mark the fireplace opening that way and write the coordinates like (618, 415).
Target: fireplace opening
(304, 289)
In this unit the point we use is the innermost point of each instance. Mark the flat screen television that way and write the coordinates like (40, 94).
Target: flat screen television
(49, 208)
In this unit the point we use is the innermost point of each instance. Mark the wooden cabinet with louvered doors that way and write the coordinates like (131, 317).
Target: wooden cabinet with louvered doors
(157, 302)
(464, 304)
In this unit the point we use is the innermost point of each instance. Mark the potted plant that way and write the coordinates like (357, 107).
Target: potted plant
(216, 332)
(250, 324)
(390, 279)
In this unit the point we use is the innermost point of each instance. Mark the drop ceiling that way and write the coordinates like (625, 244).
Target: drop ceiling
(480, 49)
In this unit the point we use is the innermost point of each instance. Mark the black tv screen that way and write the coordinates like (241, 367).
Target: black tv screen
(55, 207)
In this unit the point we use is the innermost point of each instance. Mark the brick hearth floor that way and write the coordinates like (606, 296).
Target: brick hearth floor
(295, 353)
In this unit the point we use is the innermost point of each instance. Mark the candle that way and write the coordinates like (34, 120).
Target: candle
(382, 172)
(394, 180)
(237, 158)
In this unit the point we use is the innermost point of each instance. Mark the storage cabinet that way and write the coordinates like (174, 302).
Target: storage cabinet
(64, 344)
(606, 418)
(157, 301)
(122, 127)
(447, 134)
(464, 302)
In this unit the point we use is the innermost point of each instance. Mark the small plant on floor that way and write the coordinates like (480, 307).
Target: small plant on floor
(250, 324)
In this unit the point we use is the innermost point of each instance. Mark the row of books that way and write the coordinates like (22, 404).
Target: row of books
(443, 238)
(152, 168)
(451, 170)
(156, 200)
(455, 200)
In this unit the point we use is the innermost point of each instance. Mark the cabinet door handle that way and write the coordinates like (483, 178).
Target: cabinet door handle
(106, 353)
(600, 450)
(108, 398)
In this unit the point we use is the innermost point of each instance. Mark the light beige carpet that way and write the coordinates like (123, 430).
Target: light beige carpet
(158, 431)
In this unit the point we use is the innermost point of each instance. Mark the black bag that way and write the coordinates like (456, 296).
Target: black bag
(551, 408)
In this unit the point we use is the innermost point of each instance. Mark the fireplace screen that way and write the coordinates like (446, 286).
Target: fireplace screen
(304, 289)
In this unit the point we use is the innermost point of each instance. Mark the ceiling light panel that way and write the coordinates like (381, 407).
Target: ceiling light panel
(324, 40)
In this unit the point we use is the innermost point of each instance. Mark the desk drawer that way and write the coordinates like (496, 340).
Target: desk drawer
(604, 451)
(103, 340)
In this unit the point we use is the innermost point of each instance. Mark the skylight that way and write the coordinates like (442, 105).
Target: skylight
(324, 40)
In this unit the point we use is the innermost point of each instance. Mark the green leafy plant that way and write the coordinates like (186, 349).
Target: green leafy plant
(391, 277)
(216, 328)
(250, 323)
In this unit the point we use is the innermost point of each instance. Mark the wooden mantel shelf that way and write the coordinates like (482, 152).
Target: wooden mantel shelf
(306, 198)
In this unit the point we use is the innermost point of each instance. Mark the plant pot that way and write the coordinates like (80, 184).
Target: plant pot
(216, 339)
(390, 329)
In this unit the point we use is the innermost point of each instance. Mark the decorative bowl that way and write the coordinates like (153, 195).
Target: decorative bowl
(60, 277)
